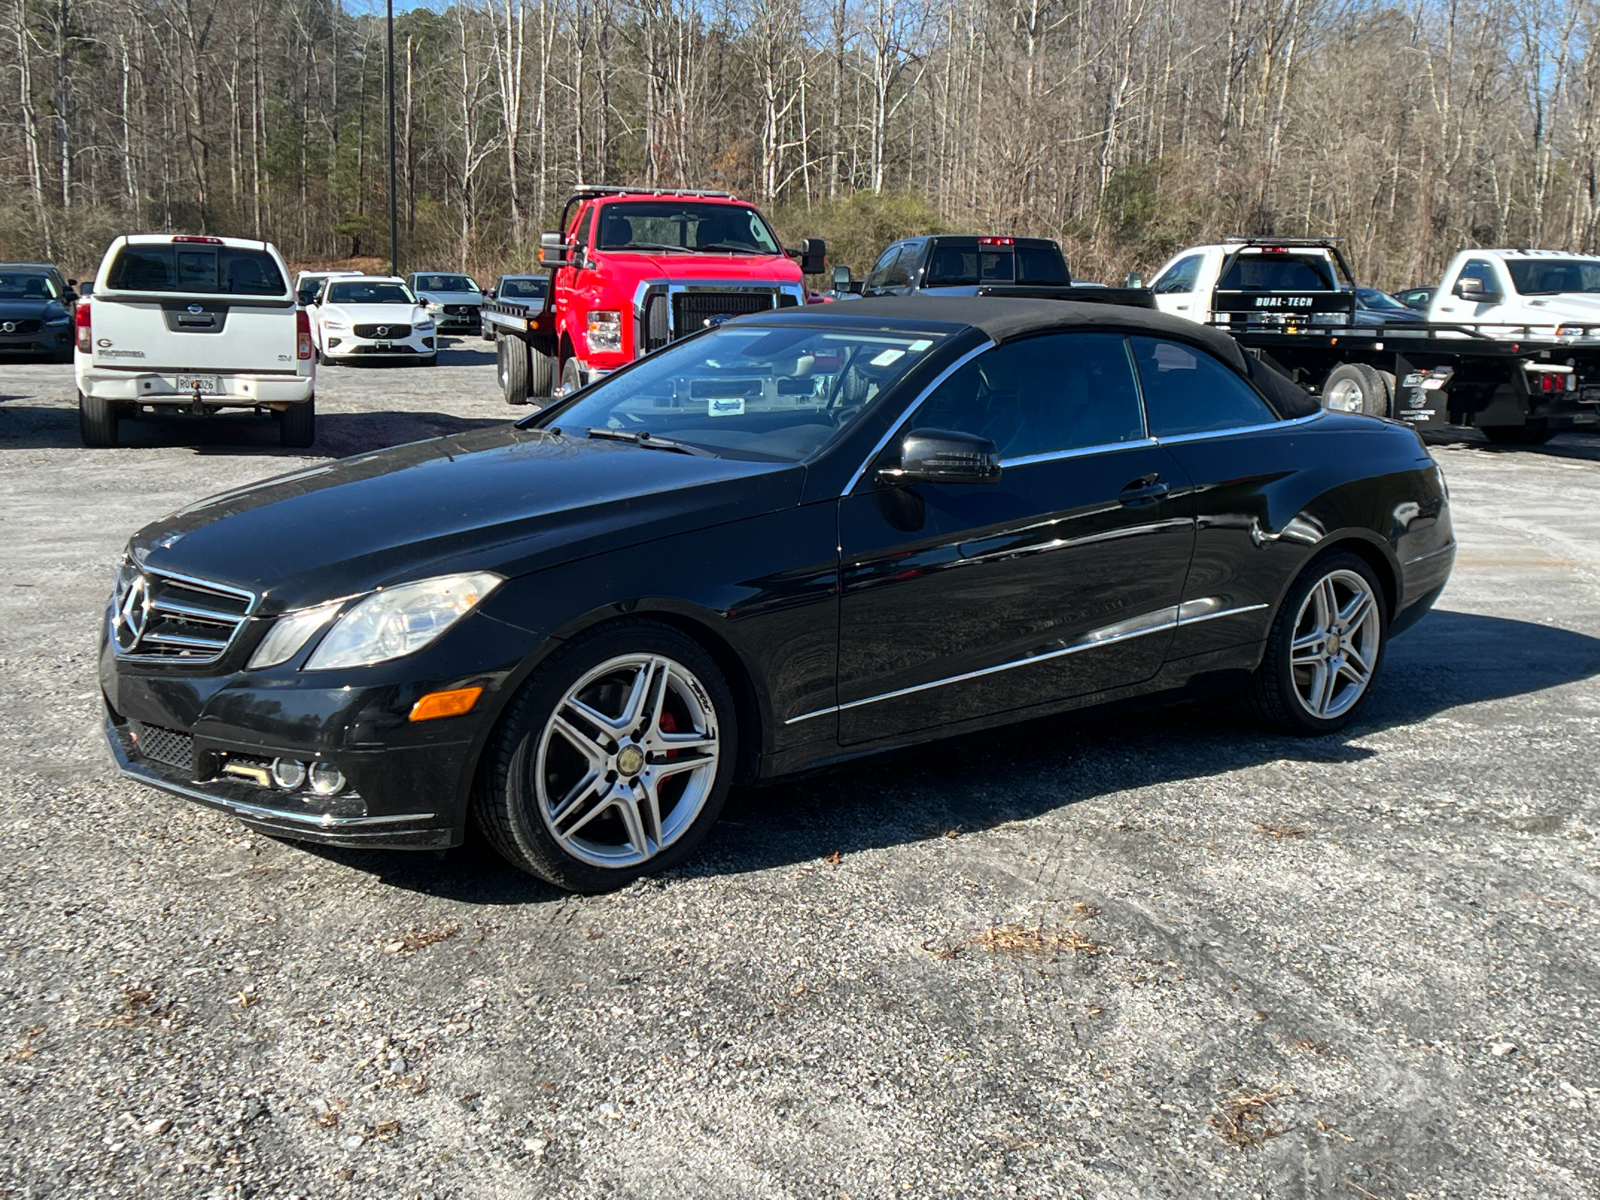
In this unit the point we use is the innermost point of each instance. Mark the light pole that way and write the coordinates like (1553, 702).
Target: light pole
(394, 209)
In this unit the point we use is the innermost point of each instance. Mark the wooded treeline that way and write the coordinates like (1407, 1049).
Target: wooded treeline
(1125, 127)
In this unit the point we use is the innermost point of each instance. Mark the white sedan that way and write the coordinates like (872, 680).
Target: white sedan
(373, 317)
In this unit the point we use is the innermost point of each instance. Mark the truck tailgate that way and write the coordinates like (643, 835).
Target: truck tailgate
(194, 333)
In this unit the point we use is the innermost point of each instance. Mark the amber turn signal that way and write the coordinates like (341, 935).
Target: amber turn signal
(445, 704)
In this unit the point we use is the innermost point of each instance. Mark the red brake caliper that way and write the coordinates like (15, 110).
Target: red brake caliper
(669, 724)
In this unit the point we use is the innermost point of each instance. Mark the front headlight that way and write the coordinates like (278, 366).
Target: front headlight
(336, 326)
(605, 330)
(424, 324)
(435, 307)
(58, 322)
(400, 620)
(293, 630)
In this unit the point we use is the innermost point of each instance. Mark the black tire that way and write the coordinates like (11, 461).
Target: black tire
(1274, 694)
(542, 377)
(297, 424)
(97, 421)
(511, 364)
(571, 377)
(1535, 433)
(1356, 387)
(508, 806)
(487, 333)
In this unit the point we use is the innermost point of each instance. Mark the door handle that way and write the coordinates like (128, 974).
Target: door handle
(1144, 490)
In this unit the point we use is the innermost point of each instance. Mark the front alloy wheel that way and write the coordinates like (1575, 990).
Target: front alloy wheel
(1324, 649)
(614, 759)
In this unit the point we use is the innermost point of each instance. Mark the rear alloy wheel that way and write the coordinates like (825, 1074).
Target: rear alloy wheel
(1324, 650)
(297, 424)
(97, 421)
(511, 367)
(1357, 388)
(1535, 433)
(614, 760)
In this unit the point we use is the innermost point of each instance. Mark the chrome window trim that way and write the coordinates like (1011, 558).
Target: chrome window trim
(901, 420)
(1052, 455)
(1173, 616)
(1213, 433)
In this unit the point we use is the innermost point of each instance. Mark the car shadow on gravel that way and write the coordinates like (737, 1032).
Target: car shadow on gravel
(1449, 660)
(339, 435)
(1581, 445)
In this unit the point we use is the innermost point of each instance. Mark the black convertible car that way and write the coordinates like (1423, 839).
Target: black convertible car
(789, 540)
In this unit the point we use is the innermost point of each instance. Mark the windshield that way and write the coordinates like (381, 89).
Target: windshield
(359, 292)
(1373, 298)
(1552, 276)
(195, 268)
(774, 393)
(445, 283)
(530, 289)
(26, 287)
(1277, 273)
(683, 226)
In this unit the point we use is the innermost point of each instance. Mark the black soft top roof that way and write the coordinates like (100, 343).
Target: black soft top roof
(1006, 318)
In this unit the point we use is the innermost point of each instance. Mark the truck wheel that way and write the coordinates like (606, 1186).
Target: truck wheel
(297, 424)
(571, 377)
(1535, 433)
(542, 379)
(1357, 388)
(511, 361)
(97, 421)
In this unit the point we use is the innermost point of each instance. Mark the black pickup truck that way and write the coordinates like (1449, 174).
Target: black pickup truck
(979, 265)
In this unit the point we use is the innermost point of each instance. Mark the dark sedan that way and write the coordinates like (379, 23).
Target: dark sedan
(1418, 299)
(35, 317)
(1379, 308)
(790, 540)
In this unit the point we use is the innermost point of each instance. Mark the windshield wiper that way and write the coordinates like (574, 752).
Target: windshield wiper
(643, 438)
(734, 248)
(652, 246)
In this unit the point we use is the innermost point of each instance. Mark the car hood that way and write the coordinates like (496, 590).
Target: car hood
(451, 297)
(394, 314)
(501, 499)
(1578, 306)
(756, 268)
(19, 310)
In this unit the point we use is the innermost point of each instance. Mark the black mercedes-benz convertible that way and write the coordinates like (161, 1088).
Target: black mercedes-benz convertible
(786, 541)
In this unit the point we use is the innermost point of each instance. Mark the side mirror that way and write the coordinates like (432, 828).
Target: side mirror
(489, 295)
(813, 256)
(1471, 288)
(1133, 280)
(72, 283)
(944, 456)
(841, 279)
(553, 252)
(86, 291)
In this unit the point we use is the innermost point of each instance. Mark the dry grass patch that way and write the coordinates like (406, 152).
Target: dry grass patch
(1278, 830)
(411, 942)
(1022, 941)
(1241, 1120)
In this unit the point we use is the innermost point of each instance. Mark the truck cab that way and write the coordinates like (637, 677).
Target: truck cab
(634, 268)
(1521, 293)
(1259, 282)
(959, 265)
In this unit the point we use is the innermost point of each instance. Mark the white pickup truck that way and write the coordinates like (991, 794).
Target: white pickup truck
(1521, 293)
(193, 325)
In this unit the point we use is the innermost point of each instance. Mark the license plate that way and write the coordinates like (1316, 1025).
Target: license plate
(383, 345)
(206, 383)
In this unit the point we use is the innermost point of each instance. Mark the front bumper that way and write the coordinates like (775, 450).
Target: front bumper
(344, 345)
(459, 322)
(48, 340)
(161, 387)
(277, 813)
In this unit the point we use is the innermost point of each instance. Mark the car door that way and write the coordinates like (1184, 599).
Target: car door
(959, 601)
(1242, 459)
(879, 274)
(1175, 287)
(1454, 308)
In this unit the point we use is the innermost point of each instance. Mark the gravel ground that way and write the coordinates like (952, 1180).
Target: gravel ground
(1159, 956)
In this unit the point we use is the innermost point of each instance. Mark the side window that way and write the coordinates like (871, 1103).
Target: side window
(880, 270)
(582, 236)
(1179, 278)
(899, 273)
(1188, 391)
(1042, 395)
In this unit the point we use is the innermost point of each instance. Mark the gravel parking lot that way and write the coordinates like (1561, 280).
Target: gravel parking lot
(1164, 955)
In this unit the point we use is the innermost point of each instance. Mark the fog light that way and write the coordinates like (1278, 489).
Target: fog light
(288, 774)
(326, 779)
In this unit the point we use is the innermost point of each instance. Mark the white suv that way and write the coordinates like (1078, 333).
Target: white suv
(193, 324)
(1521, 293)
(373, 317)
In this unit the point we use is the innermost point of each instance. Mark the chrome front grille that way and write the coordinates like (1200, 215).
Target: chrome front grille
(162, 617)
(383, 331)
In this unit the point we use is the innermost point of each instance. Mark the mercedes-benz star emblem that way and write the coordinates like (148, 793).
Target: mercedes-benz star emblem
(132, 615)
